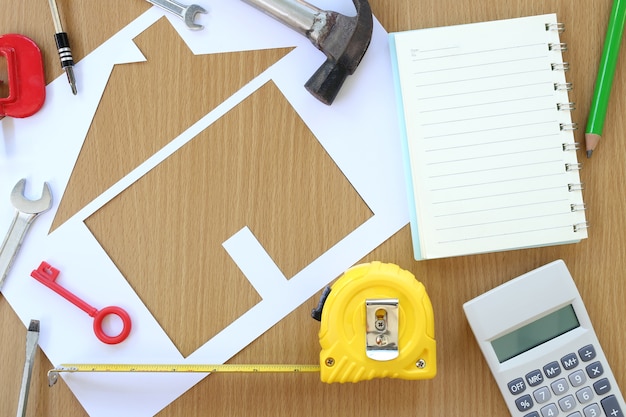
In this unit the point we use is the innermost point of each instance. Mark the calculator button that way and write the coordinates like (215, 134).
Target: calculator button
(592, 411)
(552, 369)
(524, 403)
(549, 410)
(587, 353)
(567, 403)
(560, 386)
(534, 378)
(576, 414)
(584, 395)
(542, 395)
(533, 414)
(577, 378)
(602, 386)
(611, 407)
(594, 370)
(569, 361)
(517, 386)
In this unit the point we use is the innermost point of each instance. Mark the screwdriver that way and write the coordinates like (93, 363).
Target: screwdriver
(63, 46)
(32, 337)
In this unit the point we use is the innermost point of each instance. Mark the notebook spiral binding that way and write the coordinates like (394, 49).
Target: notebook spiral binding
(560, 66)
(571, 146)
(563, 86)
(575, 187)
(557, 47)
(580, 226)
(573, 167)
(568, 126)
(568, 106)
(559, 27)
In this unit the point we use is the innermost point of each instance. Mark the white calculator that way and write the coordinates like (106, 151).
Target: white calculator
(538, 340)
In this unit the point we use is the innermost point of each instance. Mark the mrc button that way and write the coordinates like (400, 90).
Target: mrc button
(517, 386)
(534, 378)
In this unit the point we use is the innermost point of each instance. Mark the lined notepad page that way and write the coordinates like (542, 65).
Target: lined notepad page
(490, 156)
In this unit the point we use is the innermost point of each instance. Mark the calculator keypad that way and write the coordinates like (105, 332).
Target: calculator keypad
(574, 386)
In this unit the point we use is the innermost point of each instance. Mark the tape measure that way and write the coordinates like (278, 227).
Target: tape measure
(376, 322)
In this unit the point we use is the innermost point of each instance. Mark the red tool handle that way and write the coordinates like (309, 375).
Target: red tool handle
(26, 80)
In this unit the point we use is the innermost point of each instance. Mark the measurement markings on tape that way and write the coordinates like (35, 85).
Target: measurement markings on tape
(180, 368)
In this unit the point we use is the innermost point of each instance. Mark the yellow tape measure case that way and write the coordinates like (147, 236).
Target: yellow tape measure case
(377, 322)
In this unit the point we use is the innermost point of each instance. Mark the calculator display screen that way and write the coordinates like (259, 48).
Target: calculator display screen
(534, 334)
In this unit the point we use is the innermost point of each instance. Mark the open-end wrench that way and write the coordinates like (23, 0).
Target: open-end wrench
(27, 211)
(187, 13)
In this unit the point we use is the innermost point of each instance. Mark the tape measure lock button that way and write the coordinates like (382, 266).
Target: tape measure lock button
(377, 322)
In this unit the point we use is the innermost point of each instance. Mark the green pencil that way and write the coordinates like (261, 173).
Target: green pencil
(606, 71)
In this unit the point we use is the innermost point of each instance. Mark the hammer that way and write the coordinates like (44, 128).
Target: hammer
(343, 39)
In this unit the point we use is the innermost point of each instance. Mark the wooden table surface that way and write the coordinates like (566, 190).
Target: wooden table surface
(149, 101)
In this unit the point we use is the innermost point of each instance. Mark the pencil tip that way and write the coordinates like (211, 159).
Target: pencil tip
(589, 153)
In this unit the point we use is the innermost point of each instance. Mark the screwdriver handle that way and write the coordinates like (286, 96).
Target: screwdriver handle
(63, 47)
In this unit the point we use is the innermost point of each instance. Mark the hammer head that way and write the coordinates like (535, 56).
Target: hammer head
(344, 42)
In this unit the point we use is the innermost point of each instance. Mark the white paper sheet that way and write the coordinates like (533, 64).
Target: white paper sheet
(359, 131)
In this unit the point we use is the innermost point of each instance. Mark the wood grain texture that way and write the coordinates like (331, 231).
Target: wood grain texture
(463, 386)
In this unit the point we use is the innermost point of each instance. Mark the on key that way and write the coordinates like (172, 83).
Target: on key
(47, 275)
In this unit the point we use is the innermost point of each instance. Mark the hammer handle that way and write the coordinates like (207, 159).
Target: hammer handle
(297, 14)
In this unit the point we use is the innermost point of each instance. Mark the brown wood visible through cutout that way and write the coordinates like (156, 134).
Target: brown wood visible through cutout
(272, 179)
(275, 178)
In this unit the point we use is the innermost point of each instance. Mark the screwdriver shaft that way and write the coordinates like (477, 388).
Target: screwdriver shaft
(63, 46)
(32, 337)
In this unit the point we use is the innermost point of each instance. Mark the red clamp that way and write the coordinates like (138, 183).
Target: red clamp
(26, 80)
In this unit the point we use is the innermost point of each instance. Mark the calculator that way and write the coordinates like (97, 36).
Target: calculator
(539, 343)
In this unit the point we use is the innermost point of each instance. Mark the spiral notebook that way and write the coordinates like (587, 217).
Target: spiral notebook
(489, 149)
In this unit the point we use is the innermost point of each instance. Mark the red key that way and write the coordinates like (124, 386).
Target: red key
(47, 275)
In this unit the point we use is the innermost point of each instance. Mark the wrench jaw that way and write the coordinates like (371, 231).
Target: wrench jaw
(26, 206)
(190, 15)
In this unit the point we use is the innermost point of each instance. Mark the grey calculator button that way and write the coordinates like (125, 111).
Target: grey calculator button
(542, 395)
(587, 353)
(524, 403)
(584, 395)
(533, 414)
(569, 361)
(577, 378)
(560, 386)
(549, 410)
(517, 386)
(611, 407)
(594, 370)
(602, 386)
(534, 378)
(567, 403)
(575, 414)
(592, 410)
(552, 369)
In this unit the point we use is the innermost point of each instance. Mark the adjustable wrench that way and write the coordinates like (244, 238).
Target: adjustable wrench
(186, 13)
(27, 211)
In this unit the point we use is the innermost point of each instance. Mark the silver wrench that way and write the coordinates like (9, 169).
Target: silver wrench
(187, 13)
(27, 211)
